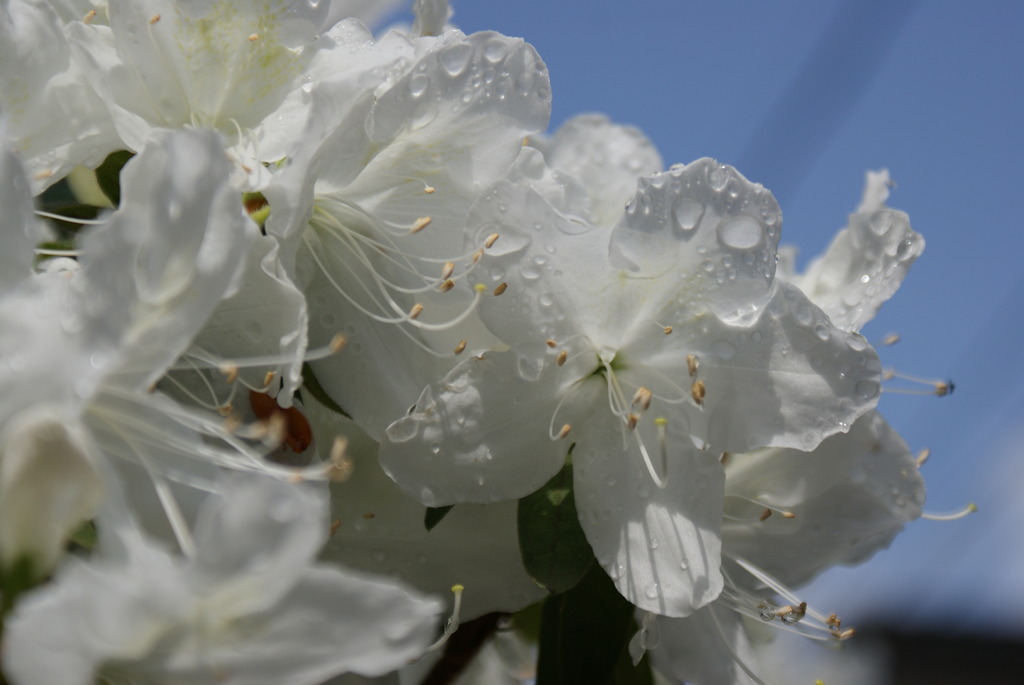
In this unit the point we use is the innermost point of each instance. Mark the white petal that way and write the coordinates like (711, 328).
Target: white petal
(480, 435)
(786, 379)
(850, 497)
(660, 546)
(703, 648)
(706, 232)
(54, 117)
(265, 317)
(380, 530)
(183, 230)
(866, 262)
(17, 223)
(607, 158)
(254, 540)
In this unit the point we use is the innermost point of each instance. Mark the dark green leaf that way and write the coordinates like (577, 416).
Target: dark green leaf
(434, 516)
(310, 383)
(555, 550)
(584, 632)
(108, 174)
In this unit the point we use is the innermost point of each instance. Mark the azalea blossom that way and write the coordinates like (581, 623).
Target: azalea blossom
(680, 347)
(248, 605)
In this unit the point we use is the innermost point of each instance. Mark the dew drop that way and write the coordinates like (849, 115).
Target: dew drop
(652, 591)
(905, 251)
(867, 389)
(687, 213)
(718, 178)
(454, 59)
(435, 448)
(821, 330)
(653, 543)
(495, 50)
(724, 349)
(742, 232)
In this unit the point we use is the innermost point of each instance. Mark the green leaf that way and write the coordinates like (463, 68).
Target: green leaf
(584, 633)
(85, 537)
(555, 550)
(434, 515)
(108, 174)
(310, 383)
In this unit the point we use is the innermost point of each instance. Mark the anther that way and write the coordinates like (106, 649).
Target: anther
(477, 255)
(764, 515)
(833, 622)
(230, 372)
(632, 420)
(642, 396)
(550, 343)
(338, 343)
(460, 347)
(89, 16)
(845, 635)
(420, 224)
(692, 364)
(452, 623)
(491, 239)
(787, 514)
(253, 37)
(416, 310)
(667, 330)
(341, 465)
(268, 378)
(564, 432)
(429, 190)
(446, 286)
(154, 19)
(447, 270)
(369, 516)
(891, 339)
(43, 175)
(501, 287)
(225, 409)
(480, 288)
(335, 525)
(697, 392)
(562, 356)
(922, 457)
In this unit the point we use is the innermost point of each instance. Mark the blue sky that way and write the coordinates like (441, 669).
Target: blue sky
(804, 96)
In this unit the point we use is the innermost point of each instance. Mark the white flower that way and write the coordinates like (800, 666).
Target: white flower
(374, 201)
(681, 349)
(790, 515)
(866, 262)
(248, 607)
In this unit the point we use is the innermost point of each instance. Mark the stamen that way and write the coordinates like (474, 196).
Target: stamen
(43, 175)
(491, 239)
(253, 37)
(564, 432)
(891, 339)
(692, 364)
(335, 525)
(89, 16)
(562, 356)
(460, 347)
(416, 310)
(447, 270)
(550, 343)
(268, 378)
(697, 392)
(230, 372)
(452, 623)
(429, 190)
(154, 19)
(420, 224)
(341, 464)
(642, 396)
(953, 516)
(922, 457)
(501, 287)
(226, 409)
(939, 388)
(632, 420)
(667, 330)
(446, 286)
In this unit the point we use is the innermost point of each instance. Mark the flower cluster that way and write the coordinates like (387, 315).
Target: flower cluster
(307, 332)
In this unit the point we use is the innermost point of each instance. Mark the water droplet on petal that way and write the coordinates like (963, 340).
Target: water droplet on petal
(867, 389)
(881, 221)
(724, 349)
(687, 213)
(495, 49)
(652, 591)
(718, 178)
(742, 232)
(455, 58)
